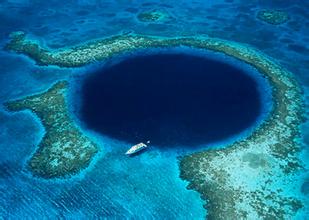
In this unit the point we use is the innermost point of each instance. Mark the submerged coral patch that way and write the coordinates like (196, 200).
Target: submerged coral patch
(274, 17)
(153, 16)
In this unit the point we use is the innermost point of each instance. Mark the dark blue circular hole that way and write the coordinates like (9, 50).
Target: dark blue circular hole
(170, 99)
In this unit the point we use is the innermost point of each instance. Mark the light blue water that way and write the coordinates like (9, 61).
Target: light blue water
(147, 186)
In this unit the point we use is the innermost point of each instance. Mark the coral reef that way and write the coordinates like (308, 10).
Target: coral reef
(64, 150)
(253, 178)
(274, 17)
(152, 16)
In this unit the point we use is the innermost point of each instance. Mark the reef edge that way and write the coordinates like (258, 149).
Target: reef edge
(63, 150)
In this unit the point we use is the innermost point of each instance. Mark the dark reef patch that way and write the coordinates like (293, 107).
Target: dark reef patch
(170, 99)
(153, 16)
(274, 17)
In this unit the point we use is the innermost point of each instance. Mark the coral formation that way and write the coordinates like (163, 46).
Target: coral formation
(244, 180)
(64, 150)
(152, 16)
(274, 17)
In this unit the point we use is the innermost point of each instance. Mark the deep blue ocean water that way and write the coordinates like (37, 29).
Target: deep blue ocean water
(170, 99)
(109, 188)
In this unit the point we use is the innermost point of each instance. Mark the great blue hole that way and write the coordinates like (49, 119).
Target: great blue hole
(170, 99)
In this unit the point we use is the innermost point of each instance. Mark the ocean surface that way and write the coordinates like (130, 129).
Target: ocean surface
(146, 186)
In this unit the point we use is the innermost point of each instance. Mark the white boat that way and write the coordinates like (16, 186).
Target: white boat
(136, 148)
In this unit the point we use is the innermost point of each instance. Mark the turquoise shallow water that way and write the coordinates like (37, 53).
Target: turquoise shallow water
(115, 186)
